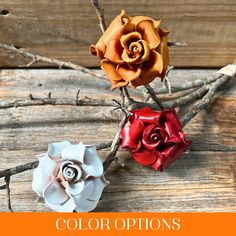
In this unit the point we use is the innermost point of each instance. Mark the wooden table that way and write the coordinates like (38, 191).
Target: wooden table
(204, 179)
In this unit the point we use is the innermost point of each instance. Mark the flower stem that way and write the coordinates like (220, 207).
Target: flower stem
(153, 96)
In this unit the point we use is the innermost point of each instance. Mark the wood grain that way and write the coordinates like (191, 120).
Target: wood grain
(65, 29)
(204, 179)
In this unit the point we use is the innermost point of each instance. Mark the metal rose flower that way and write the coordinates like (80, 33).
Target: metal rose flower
(69, 177)
(133, 50)
(154, 138)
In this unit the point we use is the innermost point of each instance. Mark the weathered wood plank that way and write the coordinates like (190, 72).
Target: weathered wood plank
(202, 180)
(64, 30)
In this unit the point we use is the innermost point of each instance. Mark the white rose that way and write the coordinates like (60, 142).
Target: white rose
(69, 177)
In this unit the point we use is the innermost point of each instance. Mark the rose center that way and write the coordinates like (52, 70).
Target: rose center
(70, 171)
(154, 137)
(135, 50)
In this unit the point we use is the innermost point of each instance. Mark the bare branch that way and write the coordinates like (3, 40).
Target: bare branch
(18, 169)
(100, 14)
(180, 44)
(189, 85)
(3, 187)
(7, 180)
(37, 58)
(153, 96)
(185, 100)
(205, 101)
(115, 145)
(33, 101)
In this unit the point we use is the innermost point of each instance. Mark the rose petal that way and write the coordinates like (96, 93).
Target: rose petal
(171, 115)
(173, 133)
(147, 115)
(68, 206)
(97, 50)
(76, 188)
(132, 134)
(151, 146)
(82, 198)
(89, 198)
(92, 165)
(127, 58)
(144, 157)
(149, 33)
(113, 51)
(141, 81)
(153, 67)
(158, 164)
(146, 52)
(88, 189)
(171, 154)
(129, 38)
(55, 194)
(47, 165)
(40, 181)
(99, 184)
(138, 19)
(119, 84)
(87, 206)
(145, 139)
(55, 149)
(109, 69)
(115, 29)
(187, 143)
(128, 73)
(74, 153)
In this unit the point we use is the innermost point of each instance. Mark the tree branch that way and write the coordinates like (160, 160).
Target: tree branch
(7, 180)
(153, 96)
(185, 100)
(3, 187)
(33, 101)
(100, 14)
(115, 145)
(180, 44)
(37, 58)
(205, 101)
(189, 85)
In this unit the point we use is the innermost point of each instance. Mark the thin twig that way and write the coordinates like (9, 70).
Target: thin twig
(115, 145)
(37, 58)
(100, 14)
(122, 95)
(121, 107)
(153, 96)
(189, 85)
(33, 101)
(7, 180)
(127, 96)
(181, 44)
(34, 164)
(185, 100)
(4, 186)
(205, 101)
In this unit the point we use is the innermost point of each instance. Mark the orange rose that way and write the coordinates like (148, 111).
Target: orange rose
(133, 50)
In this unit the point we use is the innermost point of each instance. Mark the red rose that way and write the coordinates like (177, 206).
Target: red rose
(154, 138)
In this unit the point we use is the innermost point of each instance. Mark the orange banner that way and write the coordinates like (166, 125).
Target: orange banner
(118, 224)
